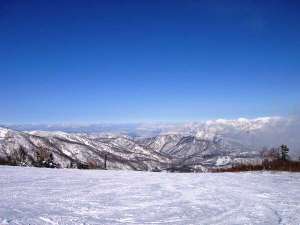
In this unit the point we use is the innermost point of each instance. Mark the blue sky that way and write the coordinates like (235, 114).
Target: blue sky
(144, 61)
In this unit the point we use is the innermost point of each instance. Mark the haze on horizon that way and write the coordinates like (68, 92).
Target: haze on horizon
(148, 61)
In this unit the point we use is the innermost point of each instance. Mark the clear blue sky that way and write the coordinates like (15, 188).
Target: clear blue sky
(136, 61)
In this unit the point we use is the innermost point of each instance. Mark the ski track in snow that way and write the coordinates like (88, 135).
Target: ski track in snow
(68, 196)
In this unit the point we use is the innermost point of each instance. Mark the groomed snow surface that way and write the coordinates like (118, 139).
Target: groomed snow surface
(68, 196)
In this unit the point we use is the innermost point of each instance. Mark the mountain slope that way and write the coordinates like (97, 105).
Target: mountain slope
(218, 143)
(37, 148)
(70, 150)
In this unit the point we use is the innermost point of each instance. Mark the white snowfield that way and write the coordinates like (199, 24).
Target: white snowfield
(69, 196)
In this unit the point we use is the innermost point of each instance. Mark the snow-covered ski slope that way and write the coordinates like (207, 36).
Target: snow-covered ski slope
(68, 196)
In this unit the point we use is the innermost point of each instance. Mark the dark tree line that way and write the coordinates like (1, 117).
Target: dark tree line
(44, 158)
(274, 159)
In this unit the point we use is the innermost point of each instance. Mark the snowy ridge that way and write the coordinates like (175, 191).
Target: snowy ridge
(199, 145)
(3, 132)
(122, 152)
(70, 150)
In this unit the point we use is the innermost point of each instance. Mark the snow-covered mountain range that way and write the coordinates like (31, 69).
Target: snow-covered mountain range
(150, 146)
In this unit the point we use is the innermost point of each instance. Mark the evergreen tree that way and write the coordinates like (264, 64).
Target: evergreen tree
(105, 159)
(284, 152)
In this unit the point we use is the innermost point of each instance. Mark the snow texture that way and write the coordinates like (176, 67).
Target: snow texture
(70, 196)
